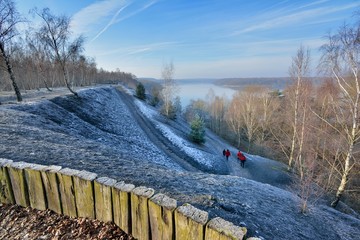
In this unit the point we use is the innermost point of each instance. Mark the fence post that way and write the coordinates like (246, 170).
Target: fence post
(218, 228)
(139, 212)
(6, 192)
(122, 205)
(190, 223)
(18, 183)
(161, 212)
(67, 191)
(35, 186)
(49, 179)
(103, 201)
(84, 194)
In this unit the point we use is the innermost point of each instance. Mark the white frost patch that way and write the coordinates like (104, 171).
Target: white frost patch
(148, 112)
(183, 145)
(177, 141)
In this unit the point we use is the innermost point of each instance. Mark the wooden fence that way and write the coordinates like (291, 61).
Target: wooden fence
(136, 210)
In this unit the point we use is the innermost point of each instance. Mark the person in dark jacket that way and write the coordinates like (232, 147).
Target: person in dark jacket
(224, 152)
(242, 158)
(227, 154)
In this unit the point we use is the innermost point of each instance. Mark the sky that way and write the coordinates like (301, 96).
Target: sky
(202, 38)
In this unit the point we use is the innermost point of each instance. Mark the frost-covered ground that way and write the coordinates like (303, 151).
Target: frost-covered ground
(113, 134)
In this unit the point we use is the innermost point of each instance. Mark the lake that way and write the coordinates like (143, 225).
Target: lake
(196, 91)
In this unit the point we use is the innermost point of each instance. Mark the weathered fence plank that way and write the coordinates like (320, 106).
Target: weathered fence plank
(139, 212)
(51, 187)
(67, 191)
(18, 183)
(122, 205)
(6, 192)
(103, 201)
(219, 229)
(35, 186)
(84, 194)
(161, 212)
(190, 223)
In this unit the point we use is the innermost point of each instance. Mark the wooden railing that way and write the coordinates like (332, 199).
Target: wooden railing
(136, 210)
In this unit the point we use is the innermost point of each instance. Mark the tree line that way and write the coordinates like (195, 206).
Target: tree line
(46, 56)
(313, 128)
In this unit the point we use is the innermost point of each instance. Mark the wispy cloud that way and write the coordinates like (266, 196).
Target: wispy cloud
(297, 17)
(108, 13)
(146, 6)
(84, 20)
(312, 4)
(111, 22)
(134, 50)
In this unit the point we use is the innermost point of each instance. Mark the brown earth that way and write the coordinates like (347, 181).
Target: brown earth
(21, 223)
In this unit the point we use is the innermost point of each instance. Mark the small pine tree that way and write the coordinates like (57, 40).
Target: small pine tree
(140, 91)
(155, 97)
(154, 101)
(197, 133)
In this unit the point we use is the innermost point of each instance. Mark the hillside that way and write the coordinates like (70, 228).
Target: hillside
(111, 133)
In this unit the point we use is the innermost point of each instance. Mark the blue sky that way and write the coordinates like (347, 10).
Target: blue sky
(203, 38)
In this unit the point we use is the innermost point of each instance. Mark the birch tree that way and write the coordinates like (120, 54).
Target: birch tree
(168, 91)
(216, 109)
(56, 35)
(9, 18)
(298, 71)
(40, 58)
(233, 117)
(341, 58)
(268, 105)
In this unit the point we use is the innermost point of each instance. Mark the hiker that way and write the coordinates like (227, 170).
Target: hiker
(227, 154)
(242, 158)
(224, 152)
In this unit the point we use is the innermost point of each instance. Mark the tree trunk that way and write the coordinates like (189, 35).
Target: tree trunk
(66, 79)
(11, 73)
(352, 141)
(301, 143)
(293, 141)
(46, 85)
(344, 179)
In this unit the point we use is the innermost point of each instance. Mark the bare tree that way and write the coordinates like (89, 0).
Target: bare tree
(196, 108)
(341, 57)
(169, 90)
(249, 111)
(9, 18)
(268, 106)
(233, 117)
(298, 71)
(216, 109)
(40, 58)
(55, 34)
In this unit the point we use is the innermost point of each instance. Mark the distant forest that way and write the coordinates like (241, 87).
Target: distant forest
(279, 83)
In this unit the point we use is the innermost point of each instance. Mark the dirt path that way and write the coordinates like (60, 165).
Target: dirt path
(256, 168)
(155, 136)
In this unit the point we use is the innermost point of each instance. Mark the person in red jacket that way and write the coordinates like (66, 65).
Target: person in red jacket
(227, 154)
(242, 158)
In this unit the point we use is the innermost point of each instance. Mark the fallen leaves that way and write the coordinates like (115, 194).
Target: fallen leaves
(17, 222)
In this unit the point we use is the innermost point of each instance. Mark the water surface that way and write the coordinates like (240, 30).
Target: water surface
(196, 91)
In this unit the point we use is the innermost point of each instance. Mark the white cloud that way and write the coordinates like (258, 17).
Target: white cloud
(111, 22)
(84, 20)
(101, 15)
(297, 17)
(133, 50)
(146, 6)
